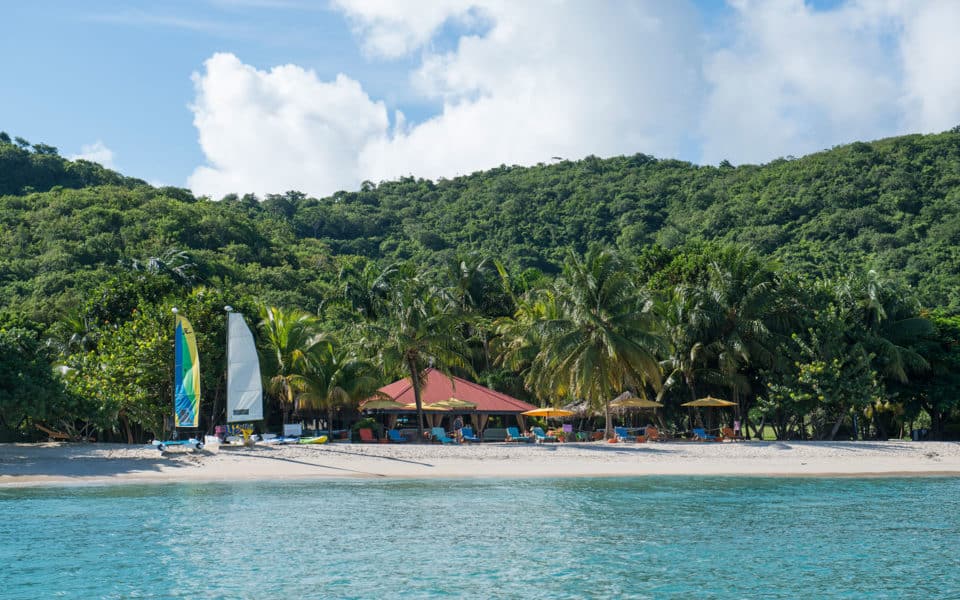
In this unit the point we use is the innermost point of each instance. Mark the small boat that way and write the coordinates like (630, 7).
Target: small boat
(320, 439)
(186, 384)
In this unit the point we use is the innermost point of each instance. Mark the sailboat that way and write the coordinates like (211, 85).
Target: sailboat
(186, 384)
(244, 386)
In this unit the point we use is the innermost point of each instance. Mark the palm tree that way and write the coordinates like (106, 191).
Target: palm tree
(752, 306)
(891, 323)
(332, 375)
(686, 318)
(289, 337)
(475, 286)
(602, 341)
(365, 290)
(421, 331)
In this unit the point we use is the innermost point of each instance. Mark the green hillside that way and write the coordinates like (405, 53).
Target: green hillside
(820, 293)
(891, 205)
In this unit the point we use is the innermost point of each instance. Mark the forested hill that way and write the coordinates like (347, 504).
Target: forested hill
(26, 167)
(892, 205)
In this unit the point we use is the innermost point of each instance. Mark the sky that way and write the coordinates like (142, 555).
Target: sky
(267, 96)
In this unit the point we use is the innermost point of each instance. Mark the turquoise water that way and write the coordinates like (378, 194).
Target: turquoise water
(641, 538)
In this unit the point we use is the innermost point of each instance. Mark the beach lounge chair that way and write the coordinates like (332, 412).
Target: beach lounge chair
(467, 434)
(513, 435)
(366, 435)
(653, 434)
(701, 435)
(494, 434)
(728, 435)
(441, 436)
(394, 436)
(540, 436)
(623, 435)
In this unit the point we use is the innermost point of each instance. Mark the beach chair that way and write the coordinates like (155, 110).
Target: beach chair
(623, 435)
(494, 434)
(441, 436)
(727, 434)
(467, 434)
(701, 435)
(394, 436)
(540, 436)
(652, 434)
(366, 435)
(513, 435)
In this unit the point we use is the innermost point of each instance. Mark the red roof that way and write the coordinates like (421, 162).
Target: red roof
(439, 387)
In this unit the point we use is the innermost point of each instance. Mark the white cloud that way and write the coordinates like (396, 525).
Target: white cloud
(278, 130)
(96, 152)
(569, 81)
(390, 29)
(574, 80)
(568, 78)
(930, 50)
(797, 80)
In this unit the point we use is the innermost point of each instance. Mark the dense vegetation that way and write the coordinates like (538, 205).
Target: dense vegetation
(819, 293)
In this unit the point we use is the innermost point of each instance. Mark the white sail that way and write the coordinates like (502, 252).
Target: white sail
(244, 389)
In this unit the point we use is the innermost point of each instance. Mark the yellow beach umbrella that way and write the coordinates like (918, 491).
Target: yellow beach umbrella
(383, 404)
(710, 401)
(456, 404)
(436, 406)
(548, 412)
(635, 403)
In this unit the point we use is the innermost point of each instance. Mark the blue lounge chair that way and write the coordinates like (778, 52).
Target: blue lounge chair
(623, 435)
(467, 434)
(513, 435)
(441, 436)
(701, 434)
(541, 436)
(394, 436)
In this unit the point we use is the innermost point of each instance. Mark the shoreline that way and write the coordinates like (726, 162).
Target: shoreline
(68, 465)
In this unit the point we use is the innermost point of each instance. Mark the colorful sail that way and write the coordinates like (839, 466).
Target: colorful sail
(244, 389)
(186, 377)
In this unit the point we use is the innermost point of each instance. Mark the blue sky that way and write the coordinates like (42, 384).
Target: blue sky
(478, 83)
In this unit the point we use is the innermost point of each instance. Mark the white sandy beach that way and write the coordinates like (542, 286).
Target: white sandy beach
(97, 464)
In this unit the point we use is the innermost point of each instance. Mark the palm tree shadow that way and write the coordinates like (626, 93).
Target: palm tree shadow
(623, 448)
(393, 458)
(310, 464)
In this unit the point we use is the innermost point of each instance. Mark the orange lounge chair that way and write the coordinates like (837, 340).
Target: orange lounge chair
(728, 434)
(652, 434)
(366, 435)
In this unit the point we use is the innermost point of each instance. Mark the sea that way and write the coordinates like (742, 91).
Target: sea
(650, 537)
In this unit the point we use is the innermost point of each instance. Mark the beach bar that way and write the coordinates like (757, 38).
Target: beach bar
(440, 389)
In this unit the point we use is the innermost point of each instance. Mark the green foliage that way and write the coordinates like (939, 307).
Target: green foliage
(772, 284)
(29, 389)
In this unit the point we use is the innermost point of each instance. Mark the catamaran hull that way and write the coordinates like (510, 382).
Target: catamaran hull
(191, 443)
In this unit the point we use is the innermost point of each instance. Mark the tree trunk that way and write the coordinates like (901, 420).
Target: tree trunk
(213, 411)
(415, 378)
(881, 427)
(126, 428)
(608, 425)
(758, 430)
(329, 424)
(836, 426)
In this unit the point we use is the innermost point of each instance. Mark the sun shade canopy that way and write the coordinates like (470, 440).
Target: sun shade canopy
(710, 401)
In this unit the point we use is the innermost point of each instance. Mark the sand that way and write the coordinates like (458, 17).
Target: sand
(98, 464)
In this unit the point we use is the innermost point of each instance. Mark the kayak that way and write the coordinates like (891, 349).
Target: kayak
(314, 440)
